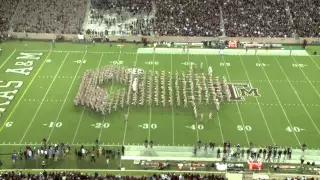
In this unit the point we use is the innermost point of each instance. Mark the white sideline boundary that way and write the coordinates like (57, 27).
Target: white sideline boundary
(178, 51)
(148, 158)
(232, 52)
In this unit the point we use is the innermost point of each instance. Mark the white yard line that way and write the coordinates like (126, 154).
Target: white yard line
(314, 62)
(258, 103)
(43, 99)
(126, 124)
(65, 99)
(218, 116)
(304, 107)
(240, 114)
(172, 109)
(306, 77)
(76, 132)
(150, 115)
(7, 59)
(279, 102)
(198, 137)
(104, 118)
(83, 109)
(89, 52)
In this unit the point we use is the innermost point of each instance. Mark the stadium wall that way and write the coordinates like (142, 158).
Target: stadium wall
(69, 37)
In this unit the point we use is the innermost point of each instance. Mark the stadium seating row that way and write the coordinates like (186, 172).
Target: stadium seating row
(248, 18)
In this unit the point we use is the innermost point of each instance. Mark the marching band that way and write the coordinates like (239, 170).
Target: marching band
(197, 89)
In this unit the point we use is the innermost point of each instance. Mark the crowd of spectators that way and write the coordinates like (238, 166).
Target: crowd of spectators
(47, 16)
(248, 18)
(7, 9)
(121, 17)
(257, 18)
(96, 175)
(119, 6)
(187, 18)
(306, 17)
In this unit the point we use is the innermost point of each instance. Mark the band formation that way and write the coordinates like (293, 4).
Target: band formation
(152, 88)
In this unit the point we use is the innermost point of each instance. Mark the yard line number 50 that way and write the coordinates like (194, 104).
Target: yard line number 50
(244, 128)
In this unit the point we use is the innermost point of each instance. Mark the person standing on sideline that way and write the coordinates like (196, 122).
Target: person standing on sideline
(93, 158)
(122, 149)
(107, 159)
(14, 157)
(151, 143)
(146, 143)
(43, 164)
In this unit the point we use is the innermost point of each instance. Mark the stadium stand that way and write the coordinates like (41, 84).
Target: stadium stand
(187, 18)
(257, 18)
(306, 17)
(246, 18)
(46, 16)
(7, 9)
(120, 17)
(79, 175)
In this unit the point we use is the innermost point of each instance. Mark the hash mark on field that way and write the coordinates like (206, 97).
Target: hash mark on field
(276, 95)
(307, 112)
(65, 99)
(240, 114)
(34, 116)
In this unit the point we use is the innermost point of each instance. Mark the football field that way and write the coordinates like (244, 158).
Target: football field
(280, 102)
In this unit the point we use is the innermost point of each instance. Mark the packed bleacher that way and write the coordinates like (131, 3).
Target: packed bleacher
(120, 17)
(187, 18)
(306, 17)
(254, 18)
(100, 176)
(248, 18)
(7, 9)
(133, 6)
(47, 16)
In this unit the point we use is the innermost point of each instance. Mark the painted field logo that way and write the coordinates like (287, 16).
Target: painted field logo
(241, 90)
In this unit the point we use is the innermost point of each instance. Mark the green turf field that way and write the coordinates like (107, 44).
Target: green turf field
(286, 113)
